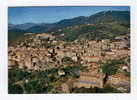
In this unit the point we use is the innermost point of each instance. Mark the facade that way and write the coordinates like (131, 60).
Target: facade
(90, 79)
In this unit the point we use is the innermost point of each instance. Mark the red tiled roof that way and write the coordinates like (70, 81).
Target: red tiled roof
(94, 64)
(122, 65)
(91, 69)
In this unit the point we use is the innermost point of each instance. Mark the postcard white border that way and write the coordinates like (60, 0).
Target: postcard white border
(3, 49)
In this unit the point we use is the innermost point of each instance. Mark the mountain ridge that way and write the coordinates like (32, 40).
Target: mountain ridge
(106, 24)
(104, 16)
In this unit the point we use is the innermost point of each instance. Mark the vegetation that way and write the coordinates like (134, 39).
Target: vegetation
(111, 67)
(95, 31)
(67, 60)
(95, 27)
(101, 25)
(15, 36)
(15, 89)
(106, 89)
(123, 17)
(23, 81)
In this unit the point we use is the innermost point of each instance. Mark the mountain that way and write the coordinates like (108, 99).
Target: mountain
(109, 16)
(101, 17)
(11, 26)
(105, 24)
(122, 17)
(24, 26)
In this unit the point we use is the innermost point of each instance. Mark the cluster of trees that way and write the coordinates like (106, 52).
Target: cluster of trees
(15, 36)
(112, 66)
(15, 75)
(96, 31)
(15, 89)
(67, 60)
(30, 82)
(23, 81)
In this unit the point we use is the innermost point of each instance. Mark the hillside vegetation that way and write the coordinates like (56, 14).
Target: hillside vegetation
(106, 24)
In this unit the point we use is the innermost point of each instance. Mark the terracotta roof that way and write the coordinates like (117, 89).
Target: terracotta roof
(94, 64)
(116, 75)
(61, 71)
(93, 57)
(123, 50)
(122, 65)
(91, 69)
(119, 75)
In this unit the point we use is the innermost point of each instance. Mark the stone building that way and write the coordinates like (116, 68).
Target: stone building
(93, 78)
(119, 81)
(90, 58)
(67, 86)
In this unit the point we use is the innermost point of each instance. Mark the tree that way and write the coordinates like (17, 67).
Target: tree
(67, 59)
(110, 67)
(15, 89)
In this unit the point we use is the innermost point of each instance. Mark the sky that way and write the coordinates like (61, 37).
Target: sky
(20, 15)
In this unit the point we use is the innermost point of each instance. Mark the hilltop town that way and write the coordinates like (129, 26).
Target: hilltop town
(71, 66)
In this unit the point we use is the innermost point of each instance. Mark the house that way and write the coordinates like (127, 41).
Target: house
(36, 68)
(9, 57)
(70, 54)
(86, 64)
(60, 54)
(67, 86)
(21, 64)
(43, 35)
(92, 78)
(74, 58)
(120, 37)
(120, 44)
(90, 58)
(11, 63)
(92, 42)
(105, 41)
(112, 45)
(95, 65)
(110, 53)
(118, 79)
(61, 34)
(54, 41)
(61, 72)
(28, 63)
(122, 53)
(34, 59)
(124, 67)
(65, 65)
(91, 70)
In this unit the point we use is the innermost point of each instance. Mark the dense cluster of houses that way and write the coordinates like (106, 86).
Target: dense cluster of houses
(33, 55)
